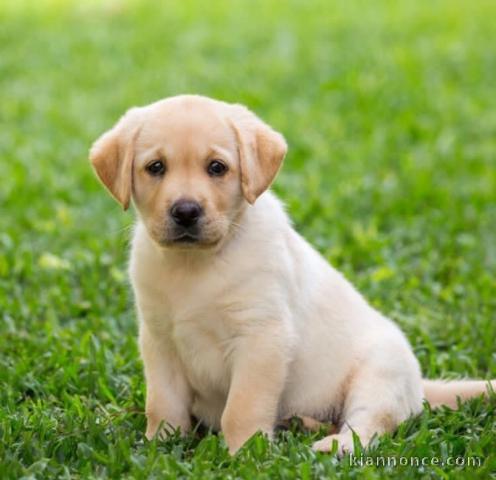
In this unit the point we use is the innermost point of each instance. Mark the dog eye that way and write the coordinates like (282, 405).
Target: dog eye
(216, 168)
(156, 168)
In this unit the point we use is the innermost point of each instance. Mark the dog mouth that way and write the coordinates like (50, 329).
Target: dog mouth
(195, 237)
(189, 240)
(185, 238)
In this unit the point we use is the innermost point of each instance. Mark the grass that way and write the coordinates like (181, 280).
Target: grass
(390, 113)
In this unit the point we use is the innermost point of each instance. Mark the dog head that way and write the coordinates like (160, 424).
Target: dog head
(191, 164)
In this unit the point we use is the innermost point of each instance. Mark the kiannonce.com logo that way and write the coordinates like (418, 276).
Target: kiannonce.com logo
(461, 462)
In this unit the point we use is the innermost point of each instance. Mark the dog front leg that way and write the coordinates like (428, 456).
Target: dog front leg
(258, 378)
(168, 395)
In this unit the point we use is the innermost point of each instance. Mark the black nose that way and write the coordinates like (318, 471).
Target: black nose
(186, 212)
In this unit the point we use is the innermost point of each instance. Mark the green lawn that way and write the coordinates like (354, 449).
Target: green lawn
(389, 109)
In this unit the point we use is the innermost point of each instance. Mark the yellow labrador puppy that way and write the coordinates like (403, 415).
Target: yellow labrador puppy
(242, 322)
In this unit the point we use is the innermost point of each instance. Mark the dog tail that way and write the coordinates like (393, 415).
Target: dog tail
(440, 392)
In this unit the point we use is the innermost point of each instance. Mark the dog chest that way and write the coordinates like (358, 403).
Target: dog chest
(203, 346)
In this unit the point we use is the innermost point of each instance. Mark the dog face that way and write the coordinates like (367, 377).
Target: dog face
(190, 164)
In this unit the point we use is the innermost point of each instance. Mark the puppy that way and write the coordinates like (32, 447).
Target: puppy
(242, 323)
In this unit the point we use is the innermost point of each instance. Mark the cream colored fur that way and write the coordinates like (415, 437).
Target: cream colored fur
(250, 325)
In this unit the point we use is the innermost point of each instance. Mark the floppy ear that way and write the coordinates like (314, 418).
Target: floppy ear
(261, 151)
(112, 157)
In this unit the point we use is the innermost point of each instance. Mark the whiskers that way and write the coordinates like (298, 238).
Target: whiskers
(124, 231)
